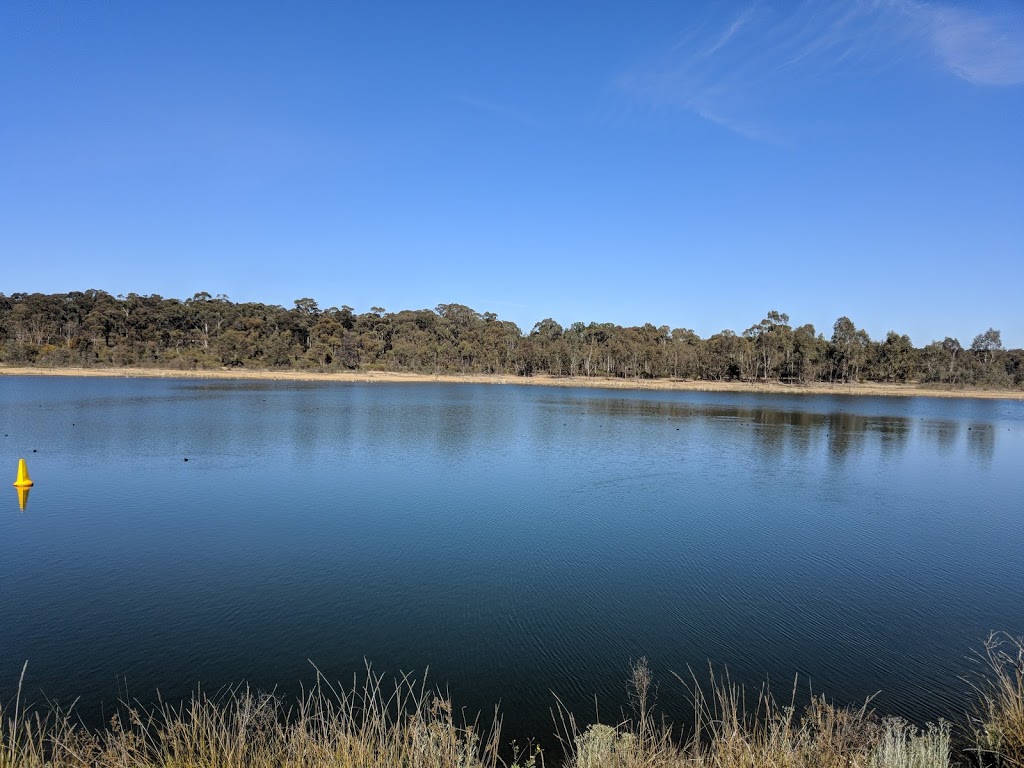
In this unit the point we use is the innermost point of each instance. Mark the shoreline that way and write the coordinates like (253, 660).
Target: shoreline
(392, 377)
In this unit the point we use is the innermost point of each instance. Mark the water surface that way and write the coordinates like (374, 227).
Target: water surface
(518, 541)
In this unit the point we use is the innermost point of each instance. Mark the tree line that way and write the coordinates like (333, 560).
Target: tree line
(93, 328)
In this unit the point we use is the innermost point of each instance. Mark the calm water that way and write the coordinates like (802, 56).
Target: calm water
(518, 541)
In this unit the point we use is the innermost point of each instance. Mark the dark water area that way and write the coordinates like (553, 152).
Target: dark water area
(520, 542)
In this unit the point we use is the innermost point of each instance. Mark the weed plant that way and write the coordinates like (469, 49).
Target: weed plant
(406, 725)
(998, 721)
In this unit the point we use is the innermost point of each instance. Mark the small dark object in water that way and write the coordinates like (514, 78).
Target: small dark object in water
(186, 458)
(33, 450)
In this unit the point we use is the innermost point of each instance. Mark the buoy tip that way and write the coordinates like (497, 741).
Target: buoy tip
(23, 480)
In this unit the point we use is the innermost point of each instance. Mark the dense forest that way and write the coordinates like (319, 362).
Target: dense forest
(93, 328)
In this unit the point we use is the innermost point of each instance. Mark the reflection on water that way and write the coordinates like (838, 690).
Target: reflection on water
(944, 434)
(777, 428)
(981, 440)
(22, 493)
(515, 540)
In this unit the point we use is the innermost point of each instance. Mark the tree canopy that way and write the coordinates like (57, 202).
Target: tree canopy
(93, 328)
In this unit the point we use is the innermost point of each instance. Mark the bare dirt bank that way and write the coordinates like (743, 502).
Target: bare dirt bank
(387, 377)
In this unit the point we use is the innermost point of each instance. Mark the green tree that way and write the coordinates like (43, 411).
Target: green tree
(987, 344)
(849, 348)
(772, 342)
(897, 358)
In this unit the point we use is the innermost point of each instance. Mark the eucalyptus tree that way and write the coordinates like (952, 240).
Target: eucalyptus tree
(92, 327)
(772, 341)
(987, 344)
(684, 354)
(575, 343)
(942, 362)
(953, 355)
(548, 347)
(849, 349)
(303, 317)
(325, 339)
(987, 350)
(897, 359)
(810, 354)
(727, 356)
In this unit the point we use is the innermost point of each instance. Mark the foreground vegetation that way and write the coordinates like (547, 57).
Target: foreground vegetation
(371, 726)
(93, 328)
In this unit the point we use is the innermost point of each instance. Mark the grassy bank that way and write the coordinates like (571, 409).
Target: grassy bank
(593, 382)
(378, 725)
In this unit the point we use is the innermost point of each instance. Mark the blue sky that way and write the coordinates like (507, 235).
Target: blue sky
(684, 163)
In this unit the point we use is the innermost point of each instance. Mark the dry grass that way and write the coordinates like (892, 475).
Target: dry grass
(363, 727)
(998, 722)
(729, 733)
(408, 726)
(591, 382)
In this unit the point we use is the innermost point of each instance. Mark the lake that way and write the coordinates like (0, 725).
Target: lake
(517, 541)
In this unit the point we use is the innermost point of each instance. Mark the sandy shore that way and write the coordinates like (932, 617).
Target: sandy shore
(384, 377)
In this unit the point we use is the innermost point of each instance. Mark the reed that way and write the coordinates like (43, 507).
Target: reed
(998, 720)
(403, 724)
(732, 731)
(367, 725)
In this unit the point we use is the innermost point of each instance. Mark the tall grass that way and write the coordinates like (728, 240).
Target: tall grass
(730, 733)
(998, 720)
(405, 725)
(365, 726)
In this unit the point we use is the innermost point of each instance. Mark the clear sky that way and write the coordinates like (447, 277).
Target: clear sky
(693, 164)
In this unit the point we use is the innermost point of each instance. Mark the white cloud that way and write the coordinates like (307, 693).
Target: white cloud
(981, 49)
(745, 71)
(741, 21)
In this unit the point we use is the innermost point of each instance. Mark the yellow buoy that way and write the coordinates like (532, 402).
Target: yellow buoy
(23, 497)
(23, 481)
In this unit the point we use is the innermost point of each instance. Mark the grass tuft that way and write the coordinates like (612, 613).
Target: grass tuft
(729, 733)
(998, 723)
(363, 727)
(901, 745)
(405, 725)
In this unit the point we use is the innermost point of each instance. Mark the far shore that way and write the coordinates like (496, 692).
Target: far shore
(391, 377)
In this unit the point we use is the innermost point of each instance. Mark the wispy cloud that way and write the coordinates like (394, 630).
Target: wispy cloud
(741, 21)
(494, 108)
(745, 72)
(982, 49)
